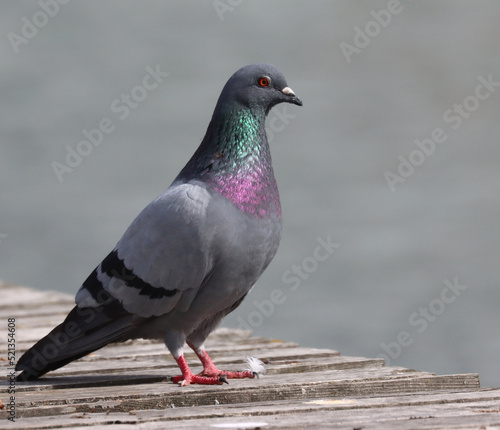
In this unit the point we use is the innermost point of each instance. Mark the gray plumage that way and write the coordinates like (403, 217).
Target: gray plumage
(192, 254)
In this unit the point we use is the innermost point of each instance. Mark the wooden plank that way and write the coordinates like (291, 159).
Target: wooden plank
(127, 385)
(17, 297)
(30, 315)
(344, 412)
(167, 367)
(161, 374)
(149, 393)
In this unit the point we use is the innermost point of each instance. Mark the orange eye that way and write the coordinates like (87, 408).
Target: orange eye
(264, 81)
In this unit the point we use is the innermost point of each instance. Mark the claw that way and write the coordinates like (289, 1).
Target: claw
(255, 375)
(223, 378)
(177, 379)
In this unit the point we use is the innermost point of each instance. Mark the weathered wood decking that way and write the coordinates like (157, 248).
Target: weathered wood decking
(127, 385)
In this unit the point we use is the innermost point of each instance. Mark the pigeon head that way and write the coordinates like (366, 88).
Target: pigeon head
(258, 87)
(233, 158)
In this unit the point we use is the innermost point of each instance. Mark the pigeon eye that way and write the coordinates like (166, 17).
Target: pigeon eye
(264, 81)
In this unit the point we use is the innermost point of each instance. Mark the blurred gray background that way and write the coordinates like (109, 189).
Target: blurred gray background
(415, 275)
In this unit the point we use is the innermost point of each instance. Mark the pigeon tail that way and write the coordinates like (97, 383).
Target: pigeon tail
(83, 331)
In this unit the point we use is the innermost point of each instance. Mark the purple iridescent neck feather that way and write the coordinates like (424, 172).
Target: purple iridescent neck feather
(234, 159)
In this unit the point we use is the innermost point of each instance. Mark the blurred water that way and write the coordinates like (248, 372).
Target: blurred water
(382, 291)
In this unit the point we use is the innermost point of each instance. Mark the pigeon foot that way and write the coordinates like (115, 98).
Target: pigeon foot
(229, 374)
(210, 375)
(216, 378)
(188, 378)
(184, 380)
(209, 368)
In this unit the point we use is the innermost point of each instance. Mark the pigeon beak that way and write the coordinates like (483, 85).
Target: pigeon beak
(291, 97)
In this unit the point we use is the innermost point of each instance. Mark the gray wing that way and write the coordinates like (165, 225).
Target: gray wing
(161, 260)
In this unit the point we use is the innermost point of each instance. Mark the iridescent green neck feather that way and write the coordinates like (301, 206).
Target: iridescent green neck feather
(234, 159)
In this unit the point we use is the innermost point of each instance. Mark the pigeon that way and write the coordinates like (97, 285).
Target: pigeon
(193, 254)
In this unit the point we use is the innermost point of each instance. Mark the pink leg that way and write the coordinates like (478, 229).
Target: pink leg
(210, 370)
(187, 376)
